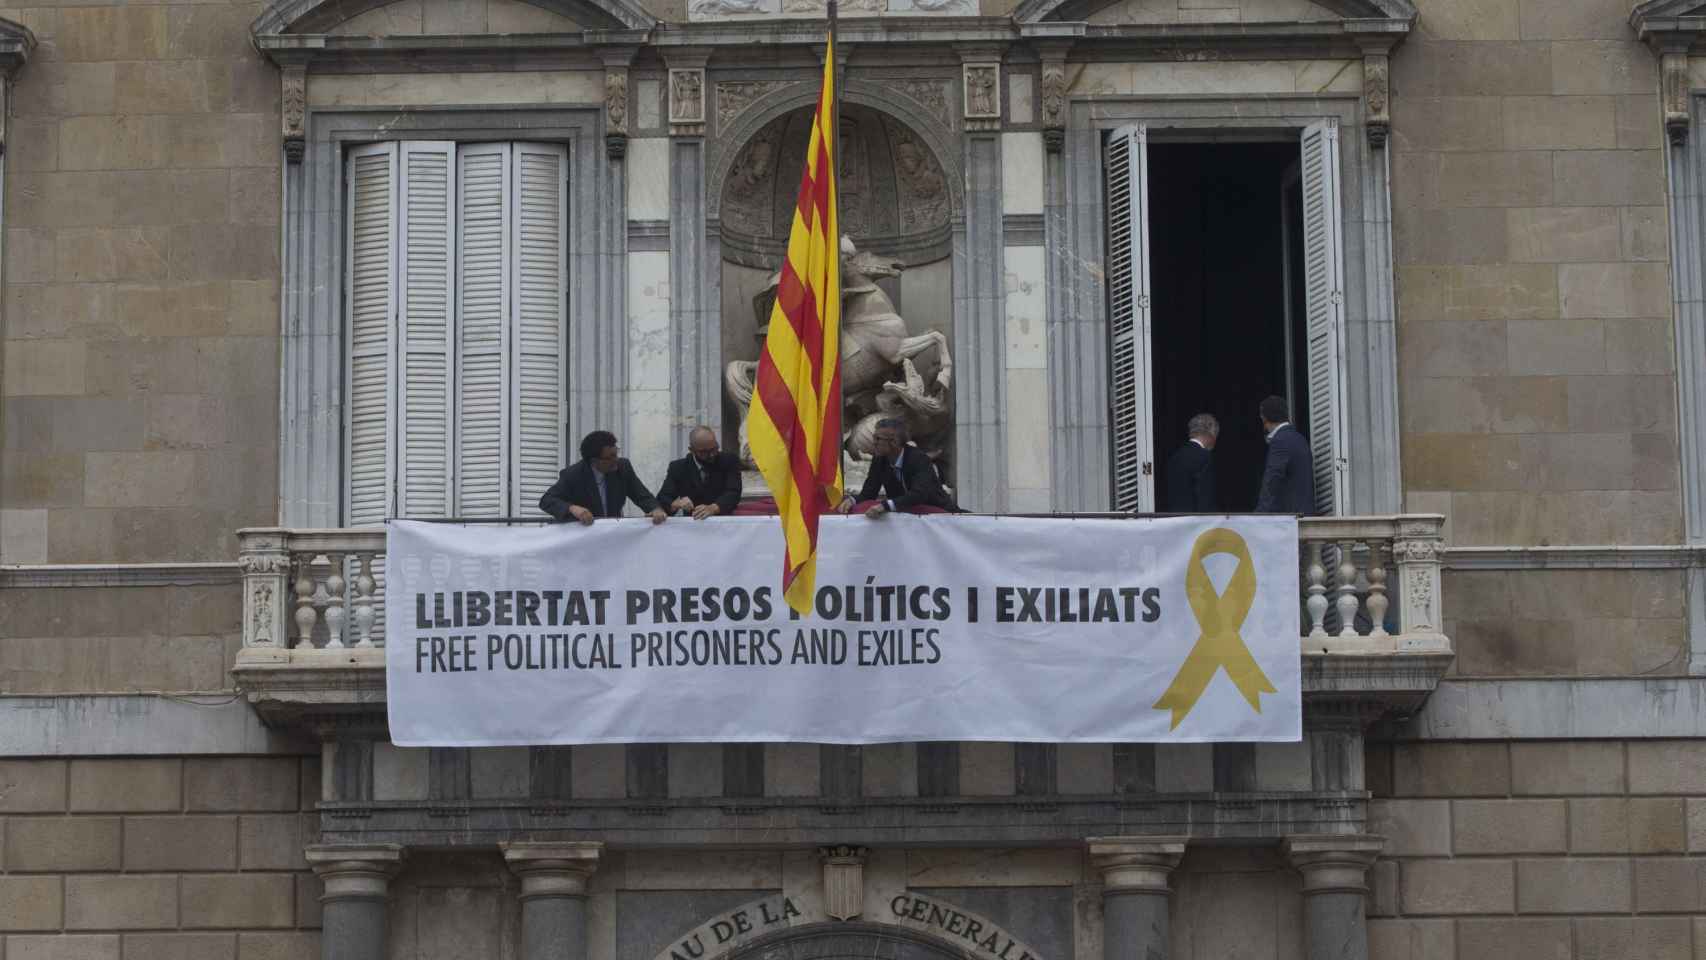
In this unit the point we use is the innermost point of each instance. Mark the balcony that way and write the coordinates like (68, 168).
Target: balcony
(313, 656)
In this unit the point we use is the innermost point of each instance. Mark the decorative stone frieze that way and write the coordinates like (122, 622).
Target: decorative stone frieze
(843, 881)
(293, 86)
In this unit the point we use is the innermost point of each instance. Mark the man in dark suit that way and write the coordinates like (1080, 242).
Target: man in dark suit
(901, 475)
(1288, 477)
(1190, 470)
(598, 485)
(706, 482)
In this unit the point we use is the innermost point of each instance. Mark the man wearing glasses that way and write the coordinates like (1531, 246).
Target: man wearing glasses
(598, 485)
(900, 474)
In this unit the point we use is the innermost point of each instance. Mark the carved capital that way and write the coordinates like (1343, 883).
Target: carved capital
(843, 881)
(293, 81)
(553, 869)
(1054, 140)
(1376, 98)
(616, 111)
(1136, 864)
(1333, 863)
(356, 871)
(1673, 69)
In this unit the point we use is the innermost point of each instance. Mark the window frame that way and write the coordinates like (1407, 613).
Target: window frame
(313, 393)
(1076, 229)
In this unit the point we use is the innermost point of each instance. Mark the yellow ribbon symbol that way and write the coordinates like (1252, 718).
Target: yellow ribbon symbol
(1220, 615)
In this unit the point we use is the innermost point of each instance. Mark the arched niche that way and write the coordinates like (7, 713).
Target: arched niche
(899, 203)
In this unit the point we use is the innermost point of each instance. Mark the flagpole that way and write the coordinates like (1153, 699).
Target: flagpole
(835, 241)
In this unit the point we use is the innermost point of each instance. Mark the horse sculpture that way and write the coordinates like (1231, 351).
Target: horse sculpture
(885, 372)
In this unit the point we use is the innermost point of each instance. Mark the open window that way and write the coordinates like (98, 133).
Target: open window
(1225, 269)
(456, 293)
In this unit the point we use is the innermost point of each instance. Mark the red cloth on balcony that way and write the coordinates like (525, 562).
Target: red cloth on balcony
(766, 507)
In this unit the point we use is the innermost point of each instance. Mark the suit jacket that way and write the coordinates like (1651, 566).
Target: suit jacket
(1288, 477)
(1190, 480)
(721, 483)
(576, 485)
(918, 483)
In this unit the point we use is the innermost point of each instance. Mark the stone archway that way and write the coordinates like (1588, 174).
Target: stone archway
(848, 941)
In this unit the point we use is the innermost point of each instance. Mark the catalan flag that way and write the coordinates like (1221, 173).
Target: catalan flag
(794, 424)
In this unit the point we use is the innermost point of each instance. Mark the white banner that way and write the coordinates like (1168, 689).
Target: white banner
(926, 628)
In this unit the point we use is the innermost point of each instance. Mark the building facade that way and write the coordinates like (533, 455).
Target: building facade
(273, 273)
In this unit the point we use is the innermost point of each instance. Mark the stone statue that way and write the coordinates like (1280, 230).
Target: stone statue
(885, 372)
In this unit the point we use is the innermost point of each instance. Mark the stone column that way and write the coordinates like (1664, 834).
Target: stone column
(695, 317)
(356, 877)
(553, 896)
(1135, 894)
(1335, 892)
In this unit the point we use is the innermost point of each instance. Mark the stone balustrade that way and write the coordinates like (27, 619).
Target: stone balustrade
(1369, 585)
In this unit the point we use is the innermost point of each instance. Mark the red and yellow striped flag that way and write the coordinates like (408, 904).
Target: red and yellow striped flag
(794, 425)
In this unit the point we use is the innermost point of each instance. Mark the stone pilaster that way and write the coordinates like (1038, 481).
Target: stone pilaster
(1136, 887)
(553, 896)
(695, 278)
(1335, 892)
(980, 323)
(357, 879)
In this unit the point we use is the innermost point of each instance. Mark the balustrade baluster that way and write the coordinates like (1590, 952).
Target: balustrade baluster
(1347, 589)
(306, 616)
(1317, 602)
(1377, 599)
(362, 614)
(335, 584)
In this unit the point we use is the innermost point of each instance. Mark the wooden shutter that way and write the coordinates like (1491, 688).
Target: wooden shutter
(540, 292)
(1323, 278)
(371, 289)
(426, 262)
(483, 330)
(1127, 170)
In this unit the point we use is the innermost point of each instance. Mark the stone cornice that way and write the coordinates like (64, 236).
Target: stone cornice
(35, 576)
(1573, 558)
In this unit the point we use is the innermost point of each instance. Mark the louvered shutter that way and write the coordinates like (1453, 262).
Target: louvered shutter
(426, 264)
(371, 289)
(541, 276)
(1323, 277)
(483, 330)
(1127, 171)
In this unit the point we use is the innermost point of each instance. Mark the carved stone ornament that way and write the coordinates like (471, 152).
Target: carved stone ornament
(843, 881)
(686, 96)
(616, 102)
(1674, 70)
(1376, 98)
(734, 97)
(294, 85)
(1054, 94)
(983, 91)
(932, 94)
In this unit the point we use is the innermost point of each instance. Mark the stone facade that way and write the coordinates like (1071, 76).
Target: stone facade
(1520, 228)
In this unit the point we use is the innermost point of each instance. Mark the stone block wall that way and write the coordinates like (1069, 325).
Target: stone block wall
(119, 639)
(1557, 849)
(140, 389)
(1530, 242)
(158, 859)
(1567, 623)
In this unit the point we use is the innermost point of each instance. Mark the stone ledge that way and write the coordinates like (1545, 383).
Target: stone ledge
(319, 690)
(793, 822)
